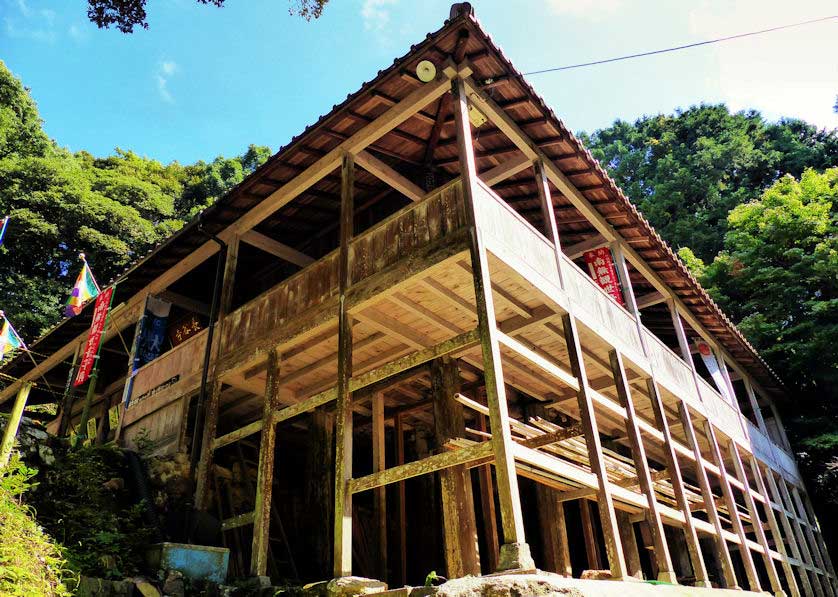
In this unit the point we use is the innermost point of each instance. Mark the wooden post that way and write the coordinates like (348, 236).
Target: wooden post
(813, 520)
(707, 496)
(202, 491)
(379, 493)
(514, 553)
(752, 397)
(264, 482)
(589, 536)
(343, 429)
(799, 547)
(319, 487)
(629, 540)
(666, 571)
(459, 526)
(756, 522)
(779, 543)
(487, 502)
(807, 525)
(673, 468)
(549, 214)
(399, 432)
(727, 493)
(13, 423)
(551, 517)
(587, 416)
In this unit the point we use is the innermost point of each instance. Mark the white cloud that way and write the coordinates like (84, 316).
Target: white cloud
(28, 23)
(593, 10)
(376, 14)
(784, 73)
(165, 71)
(78, 32)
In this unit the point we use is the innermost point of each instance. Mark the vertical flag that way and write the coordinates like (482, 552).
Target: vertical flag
(3, 227)
(84, 289)
(9, 340)
(713, 368)
(601, 265)
(97, 327)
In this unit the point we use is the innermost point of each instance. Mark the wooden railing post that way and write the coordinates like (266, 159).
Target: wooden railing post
(343, 428)
(515, 552)
(13, 423)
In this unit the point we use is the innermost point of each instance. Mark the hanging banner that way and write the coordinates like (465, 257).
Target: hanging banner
(97, 327)
(601, 265)
(712, 365)
(153, 332)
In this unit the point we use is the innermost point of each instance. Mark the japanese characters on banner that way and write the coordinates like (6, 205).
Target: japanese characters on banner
(601, 265)
(97, 327)
(713, 368)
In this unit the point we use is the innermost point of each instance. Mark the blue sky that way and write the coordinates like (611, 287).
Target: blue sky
(204, 81)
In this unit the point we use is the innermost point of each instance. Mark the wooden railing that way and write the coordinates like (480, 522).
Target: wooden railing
(670, 369)
(180, 363)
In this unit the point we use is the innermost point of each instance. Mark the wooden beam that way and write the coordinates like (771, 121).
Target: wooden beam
(515, 551)
(237, 521)
(393, 328)
(575, 251)
(184, 302)
(487, 502)
(653, 298)
(234, 436)
(276, 248)
(809, 530)
(666, 571)
(380, 496)
(386, 174)
(509, 168)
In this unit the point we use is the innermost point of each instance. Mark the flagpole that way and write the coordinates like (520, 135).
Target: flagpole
(94, 374)
(83, 258)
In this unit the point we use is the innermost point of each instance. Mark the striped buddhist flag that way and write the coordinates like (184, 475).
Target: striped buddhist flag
(85, 289)
(3, 226)
(9, 340)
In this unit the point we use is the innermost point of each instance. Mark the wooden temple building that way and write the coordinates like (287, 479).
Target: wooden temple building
(387, 355)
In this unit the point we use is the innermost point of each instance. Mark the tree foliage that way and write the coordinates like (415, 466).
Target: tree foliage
(113, 209)
(688, 170)
(127, 14)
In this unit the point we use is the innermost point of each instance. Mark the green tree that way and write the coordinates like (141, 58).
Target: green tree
(687, 171)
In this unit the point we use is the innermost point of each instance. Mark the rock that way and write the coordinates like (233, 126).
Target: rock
(174, 586)
(46, 455)
(145, 588)
(99, 587)
(347, 586)
(596, 575)
(516, 556)
(114, 484)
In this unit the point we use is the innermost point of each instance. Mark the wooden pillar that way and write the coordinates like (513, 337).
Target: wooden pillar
(752, 397)
(676, 479)
(681, 334)
(707, 496)
(780, 426)
(379, 493)
(629, 540)
(666, 571)
(399, 432)
(813, 520)
(551, 517)
(779, 544)
(13, 423)
(515, 553)
(319, 486)
(265, 476)
(810, 535)
(343, 423)
(459, 526)
(727, 493)
(548, 213)
(587, 416)
(726, 376)
(589, 535)
(799, 546)
(487, 503)
(756, 521)
(202, 490)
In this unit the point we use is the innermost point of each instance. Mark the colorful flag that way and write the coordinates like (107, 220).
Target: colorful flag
(9, 340)
(97, 328)
(85, 289)
(3, 227)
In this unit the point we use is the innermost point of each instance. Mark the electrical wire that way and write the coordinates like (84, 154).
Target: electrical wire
(677, 48)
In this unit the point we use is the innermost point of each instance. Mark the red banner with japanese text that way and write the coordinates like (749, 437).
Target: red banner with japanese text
(97, 327)
(601, 265)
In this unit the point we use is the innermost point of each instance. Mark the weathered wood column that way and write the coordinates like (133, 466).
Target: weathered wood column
(807, 525)
(752, 398)
(727, 494)
(379, 493)
(779, 544)
(203, 473)
(515, 552)
(459, 527)
(756, 521)
(343, 414)
(707, 496)
(674, 469)
(13, 423)
(587, 416)
(265, 476)
(666, 571)
(813, 520)
(554, 531)
(487, 501)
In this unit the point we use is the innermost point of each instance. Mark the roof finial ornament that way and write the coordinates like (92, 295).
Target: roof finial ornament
(461, 8)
